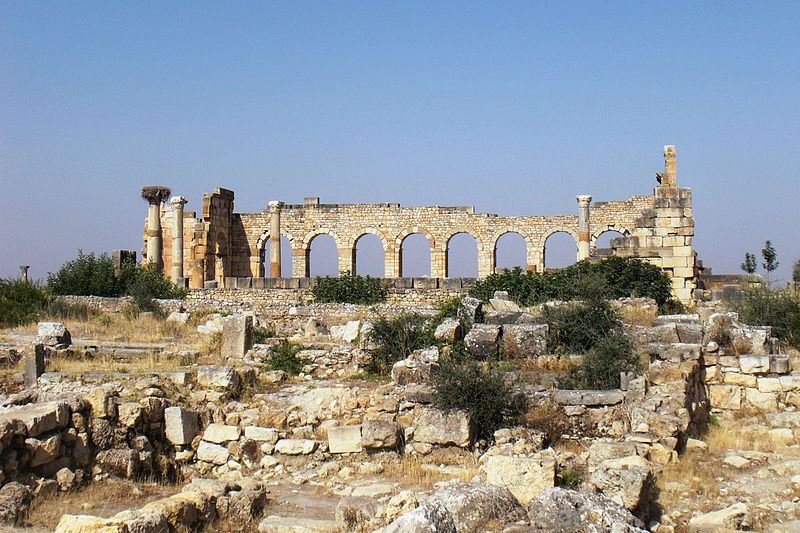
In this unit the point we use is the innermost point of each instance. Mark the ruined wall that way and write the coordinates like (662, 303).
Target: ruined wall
(224, 245)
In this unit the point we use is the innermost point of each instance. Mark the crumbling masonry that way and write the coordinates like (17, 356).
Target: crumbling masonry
(221, 244)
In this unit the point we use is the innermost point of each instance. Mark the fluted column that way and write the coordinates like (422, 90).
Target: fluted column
(583, 226)
(275, 239)
(23, 273)
(177, 238)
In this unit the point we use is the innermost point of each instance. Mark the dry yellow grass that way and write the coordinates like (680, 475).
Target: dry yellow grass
(410, 471)
(638, 316)
(152, 362)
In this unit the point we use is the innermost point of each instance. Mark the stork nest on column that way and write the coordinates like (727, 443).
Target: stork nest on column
(155, 193)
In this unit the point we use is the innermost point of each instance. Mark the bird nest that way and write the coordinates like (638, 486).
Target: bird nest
(155, 193)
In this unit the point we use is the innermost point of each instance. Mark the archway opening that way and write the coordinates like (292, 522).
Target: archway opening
(286, 258)
(602, 246)
(415, 256)
(462, 256)
(510, 251)
(560, 250)
(369, 256)
(322, 257)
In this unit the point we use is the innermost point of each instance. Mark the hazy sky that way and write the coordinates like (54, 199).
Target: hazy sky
(514, 107)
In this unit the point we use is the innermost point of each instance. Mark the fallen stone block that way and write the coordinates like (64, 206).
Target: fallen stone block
(483, 340)
(525, 477)
(378, 434)
(344, 439)
(433, 426)
(181, 425)
(522, 341)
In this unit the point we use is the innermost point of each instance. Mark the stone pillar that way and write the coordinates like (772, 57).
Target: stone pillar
(23, 273)
(197, 274)
(275, 239)
(177, 239)
(583, 226)
(154, 196)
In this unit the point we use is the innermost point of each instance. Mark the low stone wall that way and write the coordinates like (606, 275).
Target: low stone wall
(762, 382)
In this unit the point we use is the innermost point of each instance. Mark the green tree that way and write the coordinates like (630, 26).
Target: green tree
(796, 271)
(770, 256)
(749, 265)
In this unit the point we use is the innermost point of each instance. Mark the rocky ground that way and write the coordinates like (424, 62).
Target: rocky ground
(190, 428)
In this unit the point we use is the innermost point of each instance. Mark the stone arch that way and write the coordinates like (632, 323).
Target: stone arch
(352, 248)
(261, 263)
(549, 232)
(436, 264)
(353, 239)
(309, 239)
(446, 243)
(596, 235)
(491, 253)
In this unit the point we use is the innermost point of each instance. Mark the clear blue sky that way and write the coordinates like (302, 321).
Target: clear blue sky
(514, 107)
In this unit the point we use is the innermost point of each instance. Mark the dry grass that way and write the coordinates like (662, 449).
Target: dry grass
(99, 499)
(152, 362)
(638, 316)
(410, 471)
(735, 435)
(119, 328)
(698, 475)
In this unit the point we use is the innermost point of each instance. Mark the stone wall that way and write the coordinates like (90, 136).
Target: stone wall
(222, 245)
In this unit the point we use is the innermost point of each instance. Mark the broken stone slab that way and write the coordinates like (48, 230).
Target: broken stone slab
(754, 364)
(44, 449)
(260, 434)
(283, 524)
(124, 463)
(53, 334)
(344, 439)
(181, 425)
(221, 433)
(448, 331)
(624, 482)
(220, 378)
(502, 305)
(212, 453)
(237, 336)
(565, 510)
(434, 426)
(38, 418)
(525, 477)
(469, 310)
(351, 330)
(475, 505)
(296, 446)
(378, 434)
(589, 398)
(90, 524)
(483, 340)
(733, 517)
(522, 341)
(427, 518)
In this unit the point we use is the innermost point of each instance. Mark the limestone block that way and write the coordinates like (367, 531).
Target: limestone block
(221, 433)
(725, 396)
(351, 330)
(377, 433)
(344, 439)
(219, 378)
(53, 334)
(102, 402)
(212, 453)
(44, 449)
(522, 341)
(90, 524)
(448, 331)
(766, 401)
(780, 364)
(525, 477)
(477, 506)
(743, 380)
(237, 336)
(38, 418)
(754, 364)
(295, 446)
(130, 414)
(469, 309)
(627, 486)
(769, 385)
(482, 341)
(124, 463)
(504, 305)
(178, 317)
(34, 365)
(260, 434)
(730, 518)
(181, 425)
(588, 397)
(789, 383)
(433, 426)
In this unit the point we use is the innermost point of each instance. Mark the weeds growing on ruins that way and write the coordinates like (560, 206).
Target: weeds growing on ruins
(20, 302)
(778, 308)
(397, 338)
(349, 289)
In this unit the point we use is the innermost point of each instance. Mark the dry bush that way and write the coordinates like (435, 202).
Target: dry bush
(550, 418)
(638, 316)
(742, 345)
(721, 332)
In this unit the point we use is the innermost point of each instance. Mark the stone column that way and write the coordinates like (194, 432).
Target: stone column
(23, 273)
(583, 226)
(275, 239)
(177, 239)
(154, 196)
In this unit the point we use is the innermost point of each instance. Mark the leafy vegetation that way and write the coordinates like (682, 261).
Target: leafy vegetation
(796, 271)
(349, 289)
(478, 390)
(262, 334)
(21, 302)
(284, 357)
(624, 277)
(601, 366)
(396, 338)
(778, 308)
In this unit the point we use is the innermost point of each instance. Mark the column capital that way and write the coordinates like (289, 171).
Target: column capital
(584, 200)
(178, 201)
(155, 194)
(275, 204)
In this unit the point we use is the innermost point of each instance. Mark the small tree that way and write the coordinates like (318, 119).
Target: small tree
(770, 256)
(796, 271)
(749, 264)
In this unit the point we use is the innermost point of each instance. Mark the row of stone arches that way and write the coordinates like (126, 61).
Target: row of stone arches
(413, 253)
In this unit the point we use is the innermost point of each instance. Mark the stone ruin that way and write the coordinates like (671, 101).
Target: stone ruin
(221, 247)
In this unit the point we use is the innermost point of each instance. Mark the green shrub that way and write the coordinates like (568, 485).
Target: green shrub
(87, 275)
(479, 391)
(601, 366)
(578, 327)
(778, 308)
(349, 289)
(148, 284)
(21, 302)
(624, 277)
(396, 338)
(63, 309)
(262, 334)
(284, 357)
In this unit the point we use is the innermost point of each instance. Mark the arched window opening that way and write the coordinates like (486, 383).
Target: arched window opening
(560, 250)
(322, 257)
(286, 258)
(415, 256)
(462, 256)
(510, 251)
(369, 256)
